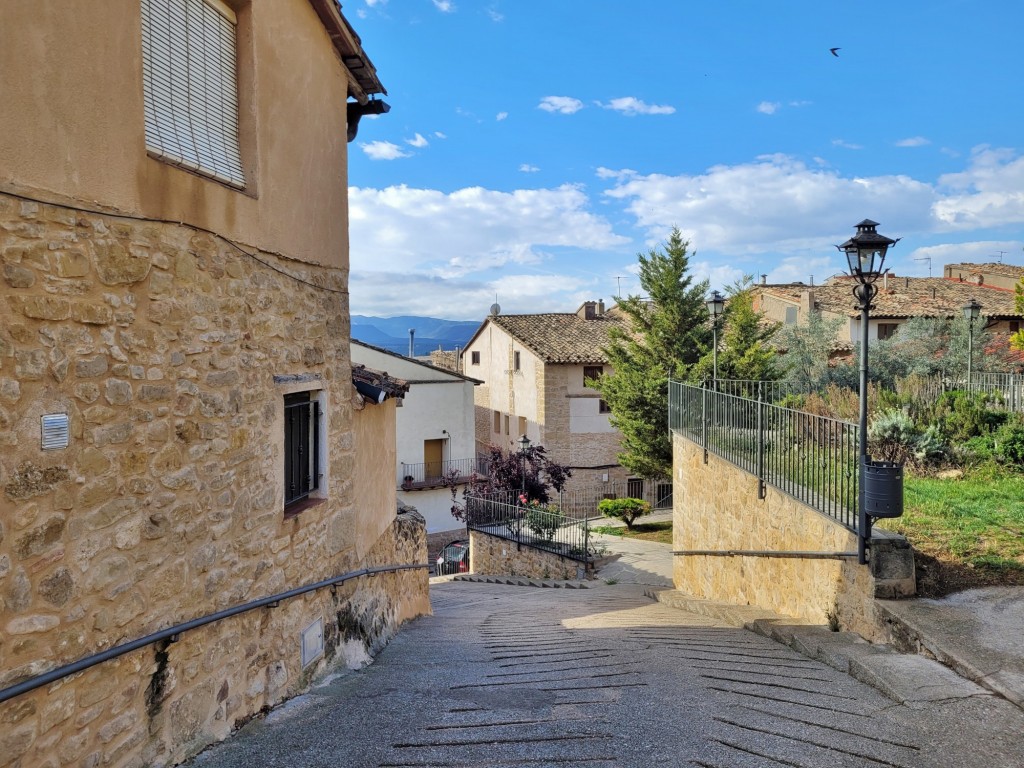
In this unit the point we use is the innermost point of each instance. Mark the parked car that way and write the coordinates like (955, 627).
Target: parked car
(453, 558)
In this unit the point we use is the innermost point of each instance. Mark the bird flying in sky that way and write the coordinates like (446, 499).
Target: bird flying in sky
(834, 51)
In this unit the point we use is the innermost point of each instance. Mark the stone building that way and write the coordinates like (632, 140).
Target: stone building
(898, 300)
(180, 424)
(534, 369)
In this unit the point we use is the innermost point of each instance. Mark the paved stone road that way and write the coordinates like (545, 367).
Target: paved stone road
(520, 676)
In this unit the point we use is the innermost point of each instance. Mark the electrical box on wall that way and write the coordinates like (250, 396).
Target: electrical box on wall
(312, 642)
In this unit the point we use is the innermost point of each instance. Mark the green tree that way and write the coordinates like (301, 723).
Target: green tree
(744, 349)
(807, 351)
(1017, 339)
(668, 334)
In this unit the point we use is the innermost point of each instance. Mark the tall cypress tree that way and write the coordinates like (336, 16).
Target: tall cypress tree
(668, 333)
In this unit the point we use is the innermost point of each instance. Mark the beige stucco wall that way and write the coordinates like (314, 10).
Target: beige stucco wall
(72, 124)
(716, 509)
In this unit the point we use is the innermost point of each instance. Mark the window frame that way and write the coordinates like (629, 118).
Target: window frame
(474, 357)
(516, 361)
(588, 370)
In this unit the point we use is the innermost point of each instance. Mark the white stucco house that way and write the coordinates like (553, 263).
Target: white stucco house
(434, 435)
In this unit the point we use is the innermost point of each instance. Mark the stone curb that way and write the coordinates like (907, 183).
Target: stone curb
(904, 678)
(521, 581)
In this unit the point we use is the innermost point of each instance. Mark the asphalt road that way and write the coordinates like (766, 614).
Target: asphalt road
(521, 676)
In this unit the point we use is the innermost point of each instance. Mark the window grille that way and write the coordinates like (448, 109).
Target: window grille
(190, 88)
(301, 446)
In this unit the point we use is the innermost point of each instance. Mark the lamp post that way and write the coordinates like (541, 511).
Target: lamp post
(524, 446)
(865, 255)
(716, 306)
(972, 309)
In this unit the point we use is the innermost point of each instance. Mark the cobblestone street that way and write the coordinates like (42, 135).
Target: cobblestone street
(604, 676)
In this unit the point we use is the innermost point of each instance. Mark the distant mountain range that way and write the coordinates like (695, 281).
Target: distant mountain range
(392, 333)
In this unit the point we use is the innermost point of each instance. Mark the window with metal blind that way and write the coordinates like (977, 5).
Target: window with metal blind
(301, 446)
(190, 86)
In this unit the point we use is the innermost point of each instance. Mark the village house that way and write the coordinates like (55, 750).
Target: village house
(182, 430)
(435, 438)
(535, 370)
(898, 300)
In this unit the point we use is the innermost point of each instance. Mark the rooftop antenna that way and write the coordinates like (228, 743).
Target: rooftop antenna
(812, 281)
(495, 307)
(1001, 254)
(929, 260)
(618, 291)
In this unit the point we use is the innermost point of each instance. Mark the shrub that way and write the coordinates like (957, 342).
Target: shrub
(892, 436)
(960, 416)
(627, 510)
(541, 521)
(929, 449)
(1009, 440)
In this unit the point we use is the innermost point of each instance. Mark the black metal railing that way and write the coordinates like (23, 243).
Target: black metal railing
(171, 634)
(772, 391)
(430, 473)
(811, 458)
(531, 524)
(582, 503)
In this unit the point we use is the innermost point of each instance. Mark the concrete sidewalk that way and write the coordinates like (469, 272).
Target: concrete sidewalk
(978, 634)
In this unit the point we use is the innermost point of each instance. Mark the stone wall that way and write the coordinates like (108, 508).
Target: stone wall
(493, 556)
(716, 508)
(170, 350)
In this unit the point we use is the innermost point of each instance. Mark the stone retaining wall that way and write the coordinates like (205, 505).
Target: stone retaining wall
(494, 556)
(716, 509)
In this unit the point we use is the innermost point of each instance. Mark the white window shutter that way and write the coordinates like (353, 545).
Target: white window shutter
(190, 86)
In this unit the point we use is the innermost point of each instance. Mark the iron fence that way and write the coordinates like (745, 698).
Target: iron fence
(772, 391)
(434, 472)
(811, 458)
(581, 503)
(530, 525)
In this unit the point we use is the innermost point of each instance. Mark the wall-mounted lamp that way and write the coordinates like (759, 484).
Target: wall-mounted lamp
(373, 394)
(355, 112)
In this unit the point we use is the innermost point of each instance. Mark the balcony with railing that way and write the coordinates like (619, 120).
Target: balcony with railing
(433, 474)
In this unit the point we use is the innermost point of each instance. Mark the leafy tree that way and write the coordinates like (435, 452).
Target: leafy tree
(744, 349)
(1017, 339)
(668, 334)
(529, 473)
(627, 510)
(807, 350)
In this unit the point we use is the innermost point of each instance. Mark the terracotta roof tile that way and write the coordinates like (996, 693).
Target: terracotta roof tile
(1007, 270)
(905, 297)
(562, 337)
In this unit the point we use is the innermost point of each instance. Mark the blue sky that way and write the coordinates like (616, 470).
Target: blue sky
(534, 147)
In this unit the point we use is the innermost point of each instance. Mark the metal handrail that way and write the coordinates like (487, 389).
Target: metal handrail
(172, 633)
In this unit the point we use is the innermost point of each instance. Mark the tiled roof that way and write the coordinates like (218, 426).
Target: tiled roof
(905, 297)
(562, 337)
(1007, 270)
(391, 385)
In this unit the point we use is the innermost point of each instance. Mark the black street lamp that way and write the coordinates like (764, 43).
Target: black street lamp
(972, 310)
(865, 255)
(716, 306)
(524, 446)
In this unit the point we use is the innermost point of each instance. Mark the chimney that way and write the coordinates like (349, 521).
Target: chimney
(806, 303)
(586, 310)
(812, 281)
(412, 344)
(885, 281)
(600, 307)
(764, 279)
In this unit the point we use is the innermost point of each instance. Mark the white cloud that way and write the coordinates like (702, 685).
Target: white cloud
(439, 135)
(527, 168)
(775, 204)
(375, 3)
(609, 173)
(989, 193)
(630, 105)
(501, 116)
(469, 230)
(444, 6)
(977, 252)
(383, 150)
(768, 107)
(495, 14)
(566, 105)
(913, 141)
(845, 144)
(417, 141)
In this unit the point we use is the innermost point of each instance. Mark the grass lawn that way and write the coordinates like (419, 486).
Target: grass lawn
(659, 532)
(966, 532)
